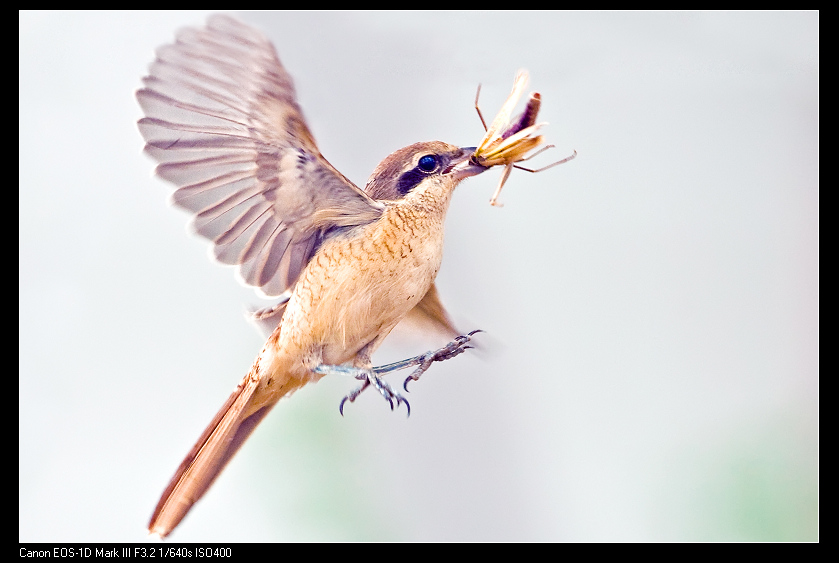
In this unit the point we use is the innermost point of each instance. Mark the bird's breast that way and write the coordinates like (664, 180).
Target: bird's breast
(359, 285)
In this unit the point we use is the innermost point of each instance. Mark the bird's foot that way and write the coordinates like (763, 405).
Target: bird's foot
(369, 377)
(373, 376)
(450, 350)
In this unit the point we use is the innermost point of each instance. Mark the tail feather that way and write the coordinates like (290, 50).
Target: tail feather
(220, 441)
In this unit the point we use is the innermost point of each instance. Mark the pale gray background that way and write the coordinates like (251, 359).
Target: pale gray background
(651, 362)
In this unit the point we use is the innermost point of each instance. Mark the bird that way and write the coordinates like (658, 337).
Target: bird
(222, 121)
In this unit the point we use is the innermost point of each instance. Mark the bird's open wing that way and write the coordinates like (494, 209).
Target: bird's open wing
(223, 123)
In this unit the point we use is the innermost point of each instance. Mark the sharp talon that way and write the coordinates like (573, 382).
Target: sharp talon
(341, 406)
(408, 380)
(400, 400)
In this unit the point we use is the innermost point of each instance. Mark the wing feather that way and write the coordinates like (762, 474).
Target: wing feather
(222, 121)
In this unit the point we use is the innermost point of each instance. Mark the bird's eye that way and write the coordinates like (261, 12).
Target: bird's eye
(428, 163)
(426, 166)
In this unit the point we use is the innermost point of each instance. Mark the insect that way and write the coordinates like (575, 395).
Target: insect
(507, 141)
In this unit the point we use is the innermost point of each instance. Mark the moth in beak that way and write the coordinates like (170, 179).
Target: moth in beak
(507, 141)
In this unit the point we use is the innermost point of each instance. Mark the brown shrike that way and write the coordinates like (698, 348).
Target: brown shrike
(348, 264)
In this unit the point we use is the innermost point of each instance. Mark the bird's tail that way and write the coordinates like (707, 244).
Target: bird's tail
(229, 429)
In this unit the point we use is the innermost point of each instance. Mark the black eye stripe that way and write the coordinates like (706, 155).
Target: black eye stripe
(409, 180)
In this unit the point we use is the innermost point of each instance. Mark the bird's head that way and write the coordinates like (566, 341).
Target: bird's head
(431, 167)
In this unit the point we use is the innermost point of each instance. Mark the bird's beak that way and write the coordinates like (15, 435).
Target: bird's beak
(463, 165)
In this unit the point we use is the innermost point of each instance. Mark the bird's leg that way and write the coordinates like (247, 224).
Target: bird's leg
(372, 375)
(424, 361)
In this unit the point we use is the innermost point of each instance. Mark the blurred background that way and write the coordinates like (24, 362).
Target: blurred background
(650, 368)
